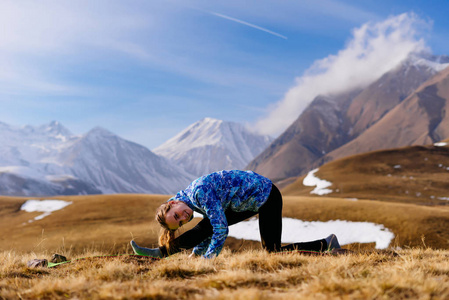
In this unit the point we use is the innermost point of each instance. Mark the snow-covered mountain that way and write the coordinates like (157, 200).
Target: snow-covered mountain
(50, 160)
(116, 165)
(210, 145)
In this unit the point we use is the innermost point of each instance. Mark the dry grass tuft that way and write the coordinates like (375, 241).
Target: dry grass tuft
(257, 261)
(173, 269)
(415, 273)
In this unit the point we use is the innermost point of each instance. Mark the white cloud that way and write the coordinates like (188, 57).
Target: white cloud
(55, 26)
(41, 40)
(374, 49)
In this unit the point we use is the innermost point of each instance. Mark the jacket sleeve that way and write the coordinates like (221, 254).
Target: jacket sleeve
(202, 247)
(214, 211)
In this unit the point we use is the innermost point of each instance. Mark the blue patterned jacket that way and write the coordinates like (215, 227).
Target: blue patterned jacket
(211, 195)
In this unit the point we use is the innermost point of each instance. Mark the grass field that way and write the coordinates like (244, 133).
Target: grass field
(103, 225)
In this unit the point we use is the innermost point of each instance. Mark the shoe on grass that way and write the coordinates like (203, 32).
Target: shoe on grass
(332, 242)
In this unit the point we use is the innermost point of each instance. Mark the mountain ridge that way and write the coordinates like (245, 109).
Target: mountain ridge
(49, 160)
(418, 120)
(332, 121)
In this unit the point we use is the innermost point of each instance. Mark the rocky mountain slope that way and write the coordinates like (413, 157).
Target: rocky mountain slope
(332, 121)
(418, 120)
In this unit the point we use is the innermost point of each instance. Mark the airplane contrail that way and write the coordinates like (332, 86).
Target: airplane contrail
(247, 24)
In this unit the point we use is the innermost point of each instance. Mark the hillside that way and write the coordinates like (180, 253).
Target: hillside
(95, 225)
(108, 222)
(414, 174)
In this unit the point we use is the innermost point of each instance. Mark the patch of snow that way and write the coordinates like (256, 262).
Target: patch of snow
(61, 177)
(294, 230)
(321, 185)
(351, 199)
(441, 144)
(437, 63)
(45, 206)
(444, 198)
(61, 137)
(397, 166)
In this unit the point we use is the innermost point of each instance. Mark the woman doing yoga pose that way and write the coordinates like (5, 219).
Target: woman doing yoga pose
(224, 198)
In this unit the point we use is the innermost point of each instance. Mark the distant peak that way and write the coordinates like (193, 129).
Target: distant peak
(56, 128)
(425, 59)
(53, 124)
(99, 131)
(210, 120)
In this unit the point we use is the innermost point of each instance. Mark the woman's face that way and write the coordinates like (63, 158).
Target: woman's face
(178, 214)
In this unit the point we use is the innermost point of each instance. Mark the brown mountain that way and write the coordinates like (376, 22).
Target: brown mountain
(330, 122)
(418, 120)
(317, 131)
(384, 94)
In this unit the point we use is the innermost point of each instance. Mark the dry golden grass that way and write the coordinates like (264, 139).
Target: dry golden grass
(413, 273)
(107, 223)
(96, 222)
(417, 175)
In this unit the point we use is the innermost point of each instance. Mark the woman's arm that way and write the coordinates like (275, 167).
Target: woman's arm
(202, 247)
(214, 211)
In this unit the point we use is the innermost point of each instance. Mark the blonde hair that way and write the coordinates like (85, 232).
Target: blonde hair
(166, 235)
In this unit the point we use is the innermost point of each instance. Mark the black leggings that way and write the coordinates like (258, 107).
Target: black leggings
(270, 227)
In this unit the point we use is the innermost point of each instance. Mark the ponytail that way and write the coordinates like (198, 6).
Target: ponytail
(166, 235)
(166, 238)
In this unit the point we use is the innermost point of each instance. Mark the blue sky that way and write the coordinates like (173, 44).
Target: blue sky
(147, 69)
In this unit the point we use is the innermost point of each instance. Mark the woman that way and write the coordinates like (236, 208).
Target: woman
(224, 198)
